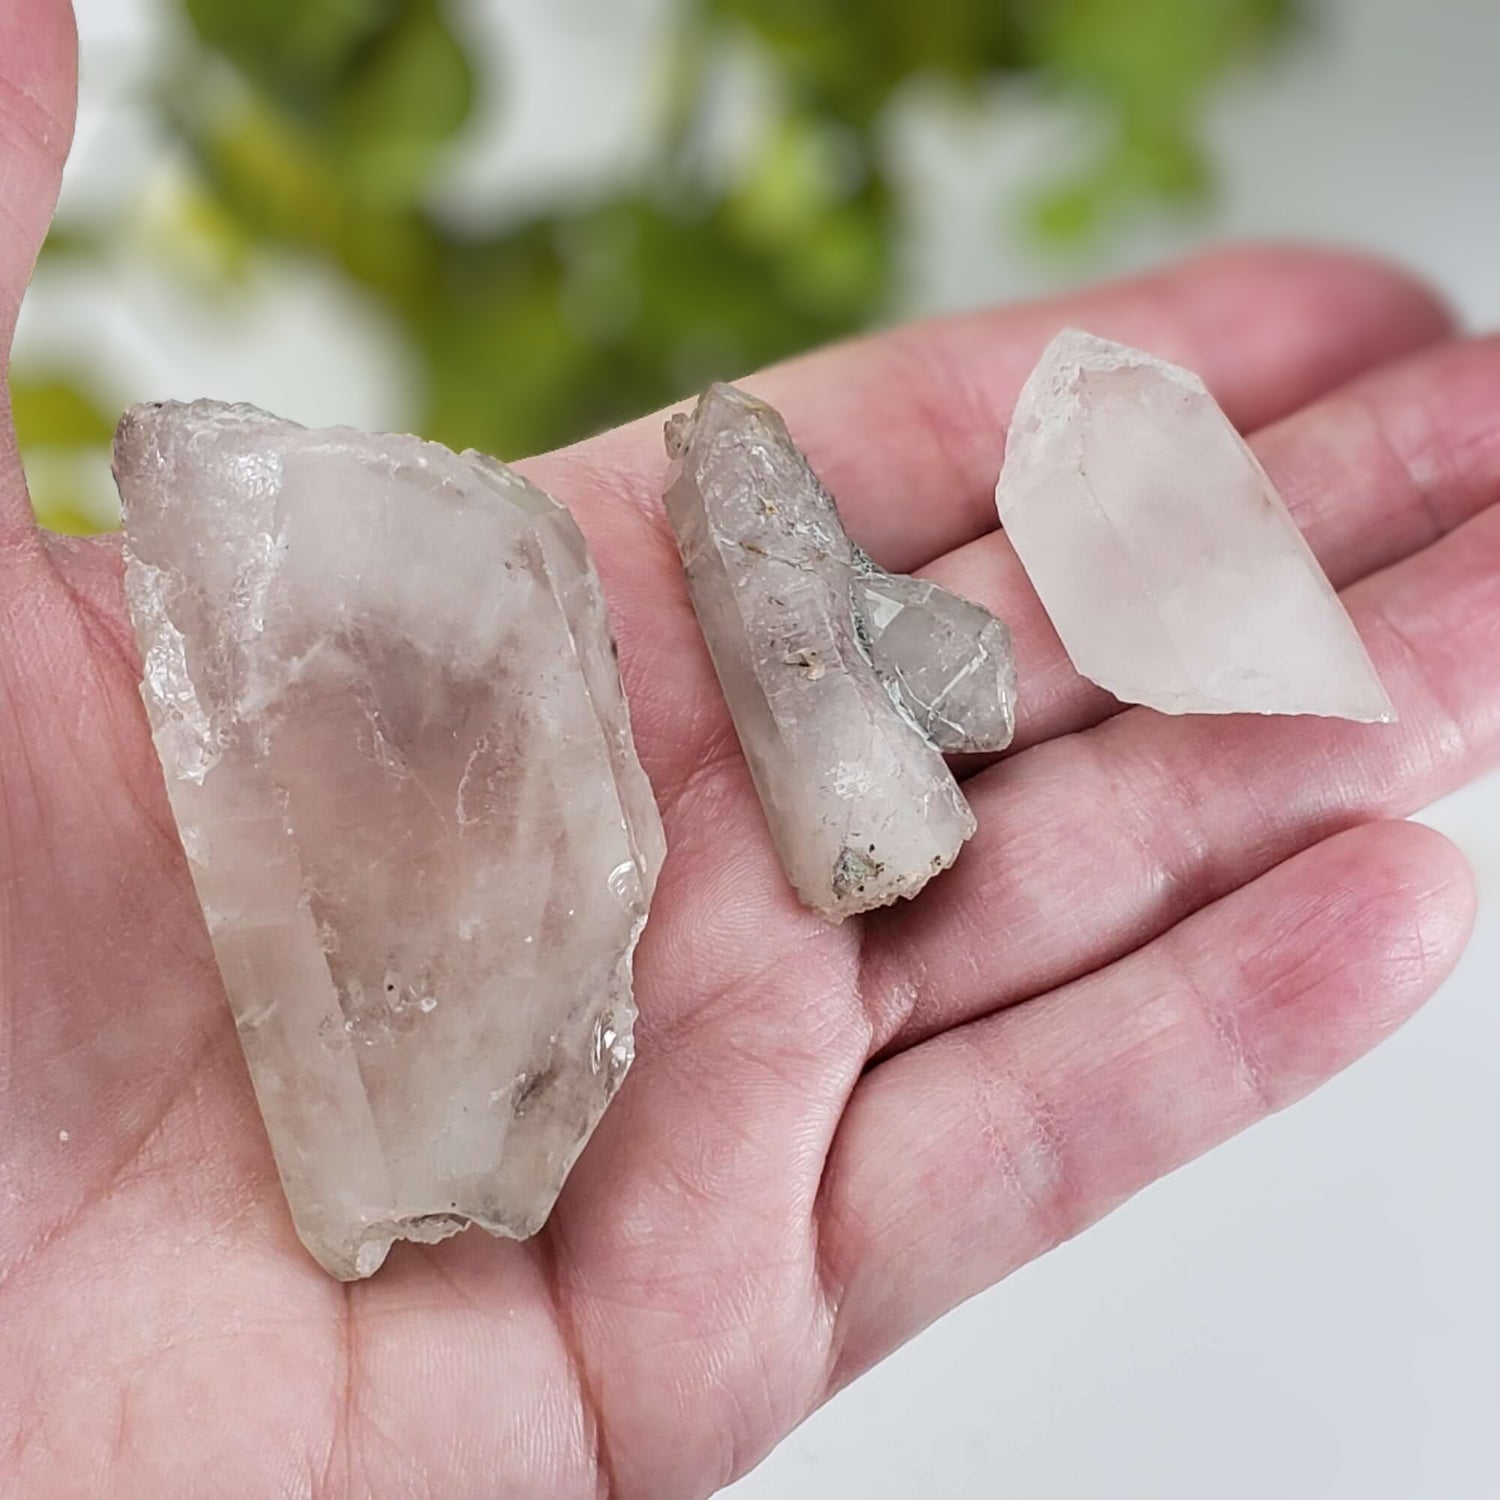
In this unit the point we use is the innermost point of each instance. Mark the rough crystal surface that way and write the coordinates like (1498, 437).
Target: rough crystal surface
(828, 665)
(381, 684)
(1163, 554)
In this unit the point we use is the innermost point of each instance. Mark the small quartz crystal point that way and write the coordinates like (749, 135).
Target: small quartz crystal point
(382, 687)
(946, 661)
(843, 680)
(1168, 563)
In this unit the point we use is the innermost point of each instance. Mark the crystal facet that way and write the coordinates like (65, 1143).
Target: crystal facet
(381, 683)
(832, 669)
(947, 662)
(1163, 554)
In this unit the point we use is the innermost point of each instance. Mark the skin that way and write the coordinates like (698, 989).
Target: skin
(1164, 930)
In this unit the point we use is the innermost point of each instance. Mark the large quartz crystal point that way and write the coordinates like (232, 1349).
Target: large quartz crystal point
(860, 803)
(381, 683)
(1168, 563)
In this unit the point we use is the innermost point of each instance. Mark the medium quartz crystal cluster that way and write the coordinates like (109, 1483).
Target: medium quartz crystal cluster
(1161, 550)
(845, 683)
(382, 686)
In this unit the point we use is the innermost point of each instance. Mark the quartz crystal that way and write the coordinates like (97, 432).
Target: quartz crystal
(947, 662)
(381, 683)
(842, 680)
(1163, 554)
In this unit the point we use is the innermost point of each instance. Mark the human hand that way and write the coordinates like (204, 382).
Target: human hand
(1163, 930)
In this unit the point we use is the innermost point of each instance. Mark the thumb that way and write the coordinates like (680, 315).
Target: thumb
(38, 105)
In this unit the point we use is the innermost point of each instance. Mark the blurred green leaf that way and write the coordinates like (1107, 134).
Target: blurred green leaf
(1150, 67)
(411, 91)
(1072, 211)
(63, 509)
(62, 429)
(53, 412)
(190, 230)
(73, 242)
(847, 57)
(291, 48)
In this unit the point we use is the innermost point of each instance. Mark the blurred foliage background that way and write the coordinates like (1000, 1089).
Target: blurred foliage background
(320, 127)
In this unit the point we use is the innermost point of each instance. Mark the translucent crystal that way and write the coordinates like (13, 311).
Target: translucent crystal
(381, 683)
(947, 662)
(1163, 554)
(829, 665)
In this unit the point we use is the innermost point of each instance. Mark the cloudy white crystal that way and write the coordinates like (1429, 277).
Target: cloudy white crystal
(1168, 563)
(381, 684)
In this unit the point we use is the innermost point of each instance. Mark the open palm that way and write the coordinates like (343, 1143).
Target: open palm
(1163, 930)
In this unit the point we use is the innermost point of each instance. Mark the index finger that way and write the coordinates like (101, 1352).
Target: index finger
(907, 428)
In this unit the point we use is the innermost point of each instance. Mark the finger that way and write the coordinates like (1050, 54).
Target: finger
(899, 464)
(908, 428)
(967, 1157)
(38, 82)
(1094, 843)
(1371, 473)
(38, 95)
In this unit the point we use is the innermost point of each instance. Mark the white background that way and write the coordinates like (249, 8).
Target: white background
(1312, 1311)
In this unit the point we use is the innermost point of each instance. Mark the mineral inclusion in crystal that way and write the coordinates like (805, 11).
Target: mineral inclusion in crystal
(845, 683)
(382, 686)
